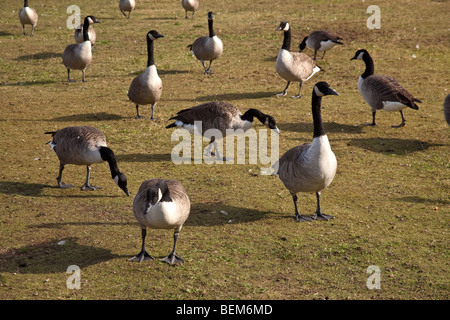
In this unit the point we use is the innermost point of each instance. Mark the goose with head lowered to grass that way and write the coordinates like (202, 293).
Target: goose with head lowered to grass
(382, 92)
(221, 116)
(146, 88)
(83, 145)
(78, 56)
(161, 204)
(321, 40)
(91, 31)
(207, 47)
(28, 15)
(310, 167)
(293, 66)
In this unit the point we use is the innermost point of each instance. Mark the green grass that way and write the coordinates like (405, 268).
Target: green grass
(390, 195)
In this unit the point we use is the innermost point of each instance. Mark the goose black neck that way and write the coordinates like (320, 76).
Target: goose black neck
(151, 58)
(250, 113)
(316, 103)
(211, 29)
(86, 29)
(287, 40)
(25, 3)
(108, 155)
(370, 67)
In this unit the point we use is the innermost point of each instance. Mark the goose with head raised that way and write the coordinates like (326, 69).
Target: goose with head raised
(310, 167)
(146, 88)
(382, 92)
(293, 66)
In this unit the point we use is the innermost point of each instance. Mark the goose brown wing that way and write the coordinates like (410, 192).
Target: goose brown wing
(389, 89)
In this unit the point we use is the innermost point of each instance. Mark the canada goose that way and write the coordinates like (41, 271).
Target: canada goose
(447, 109)
(92, 35)
(293, 66)
(28, 15)
(382, 92)
(146, 88)
(83, 145)
(127, 5)
(322, 40)
(161, 204)
(310, 167)
(78, 56)
(221, 116)
(207, 47)
(190, 5)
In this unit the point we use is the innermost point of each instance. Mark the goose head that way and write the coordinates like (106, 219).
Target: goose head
(155, 194)
(359, 55)
(92, 19)
(210, 15)
(121, 180)
(284, 26)
(271, 124)
(323, 89)
(153, 35)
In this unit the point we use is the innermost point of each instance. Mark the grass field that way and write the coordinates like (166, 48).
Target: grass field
(390, 195)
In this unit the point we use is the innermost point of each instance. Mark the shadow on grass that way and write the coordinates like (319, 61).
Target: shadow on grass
(4, 34)
(236, 96)
(27, 83)
(329, 127)
(35, 190)
(141, 157)
(39, 56)
(100, 116)
(217, 213)
(49, 257)
(395, 146)
(160, 72)
(417, 199)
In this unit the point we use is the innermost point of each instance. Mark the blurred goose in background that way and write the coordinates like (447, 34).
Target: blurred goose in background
(78, 56)
(83, 145)
(207, 47)
(28, 15)
(310, 167)
(190, 5)
(146, 88)
(382, 92)
(322, 40)
(126, 5)
(161, 204)
(293, 66)
(221, 116)
(91, 32)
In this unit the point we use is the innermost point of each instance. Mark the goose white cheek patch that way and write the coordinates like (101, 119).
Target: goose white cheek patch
(116, 180)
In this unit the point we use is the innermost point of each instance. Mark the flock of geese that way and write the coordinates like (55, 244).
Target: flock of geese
(162, 203)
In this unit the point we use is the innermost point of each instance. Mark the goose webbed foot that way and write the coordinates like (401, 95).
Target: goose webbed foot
(370, 124)
(63, 185)
(89, 188)
(141, 256)
(281, 93)
(71, 80)
(322, 216)
(172, 259)
(297, 96)
(398, 126)
(302, 218)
